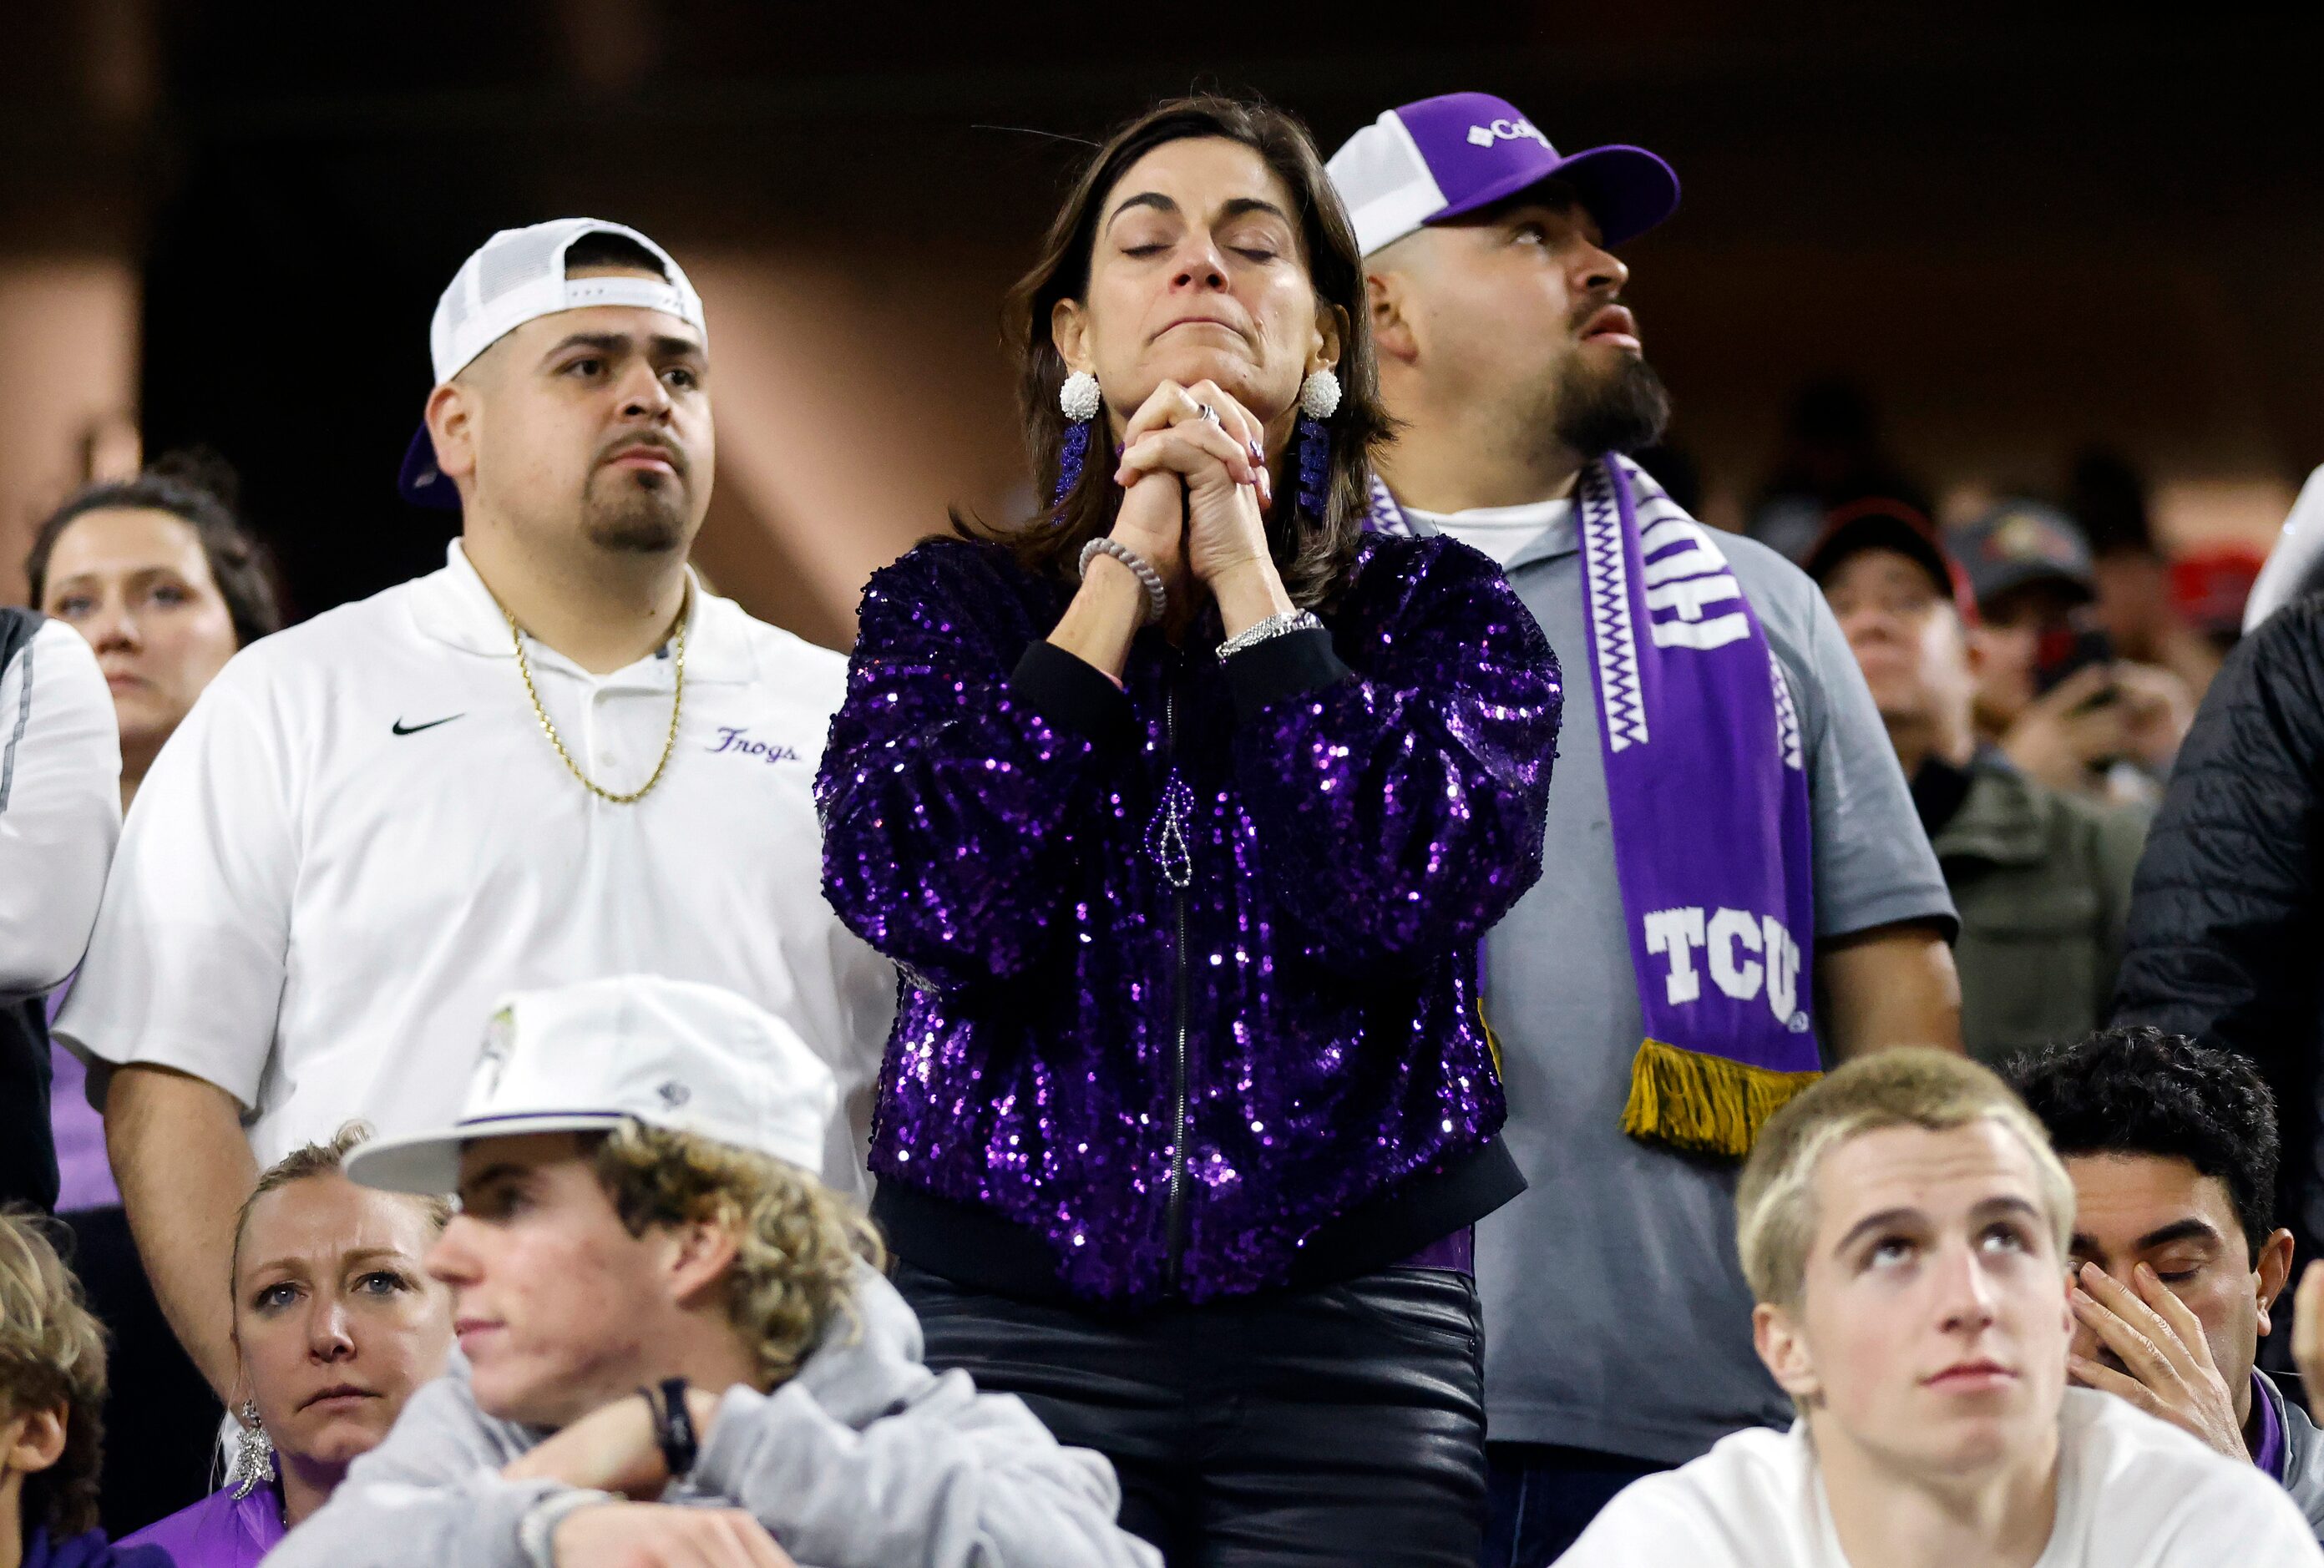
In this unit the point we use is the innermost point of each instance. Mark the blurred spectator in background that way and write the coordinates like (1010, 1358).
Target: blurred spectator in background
(60, 814)
(165, 582)
(554, 757)
(2042, 879)
(2052, 691)
(2210, 589)
(1735, 905)
(2139, 603)
(2293, 558)
(2179, 1266)
(1831, 455)
(2226, 940)
(161, 576)
(51, 1392)
(336, 1324)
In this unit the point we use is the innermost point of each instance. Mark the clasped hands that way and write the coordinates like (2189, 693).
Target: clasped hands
(613, 1450)
(1196, 489)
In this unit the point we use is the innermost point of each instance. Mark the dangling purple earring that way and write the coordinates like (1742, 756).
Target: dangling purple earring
(1078, 400)
(1319, 400)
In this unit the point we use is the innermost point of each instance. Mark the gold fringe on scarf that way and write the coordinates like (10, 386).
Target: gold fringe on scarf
(1703, 1104)
(1492, 1040)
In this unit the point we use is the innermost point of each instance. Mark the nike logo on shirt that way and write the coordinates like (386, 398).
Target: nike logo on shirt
(401, 728)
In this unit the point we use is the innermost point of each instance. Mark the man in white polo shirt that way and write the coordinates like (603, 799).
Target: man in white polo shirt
(555, 759)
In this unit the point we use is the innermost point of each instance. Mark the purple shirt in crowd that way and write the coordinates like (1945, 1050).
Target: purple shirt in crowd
(2270, 1455)
(219, 1532)
(84, 1176)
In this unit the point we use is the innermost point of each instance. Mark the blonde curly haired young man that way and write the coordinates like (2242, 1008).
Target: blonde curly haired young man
(52, 1392)
(674, 1343)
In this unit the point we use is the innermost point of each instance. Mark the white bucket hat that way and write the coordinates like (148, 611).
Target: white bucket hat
(586, 1057)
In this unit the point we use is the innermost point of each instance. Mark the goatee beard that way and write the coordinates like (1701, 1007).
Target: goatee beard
(644, 522)
(1624, 410)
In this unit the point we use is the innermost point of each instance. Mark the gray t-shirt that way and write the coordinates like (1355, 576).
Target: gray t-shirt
(1616, 1315)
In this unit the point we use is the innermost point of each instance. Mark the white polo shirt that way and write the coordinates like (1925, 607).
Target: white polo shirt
(359, 838)
(60, 805)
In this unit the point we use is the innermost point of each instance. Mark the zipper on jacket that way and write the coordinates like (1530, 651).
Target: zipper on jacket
(1175, 1223)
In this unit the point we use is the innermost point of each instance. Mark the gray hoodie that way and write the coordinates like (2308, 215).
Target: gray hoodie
(2303, 1454)
(864, 1459)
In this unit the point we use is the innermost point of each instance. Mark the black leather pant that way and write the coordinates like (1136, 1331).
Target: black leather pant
(1340, 1425)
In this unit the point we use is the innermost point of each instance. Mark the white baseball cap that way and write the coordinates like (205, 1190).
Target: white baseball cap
(582, 1058)
(513, 278)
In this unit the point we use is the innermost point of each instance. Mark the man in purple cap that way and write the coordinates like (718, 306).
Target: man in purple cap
(1743, 893)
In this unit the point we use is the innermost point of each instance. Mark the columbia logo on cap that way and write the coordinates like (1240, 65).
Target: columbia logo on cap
(1507, 131)
(1417, 165)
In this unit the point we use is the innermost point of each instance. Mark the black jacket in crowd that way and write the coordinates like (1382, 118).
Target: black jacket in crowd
(2226, 938)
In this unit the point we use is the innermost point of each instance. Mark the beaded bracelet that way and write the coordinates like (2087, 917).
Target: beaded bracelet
(1158, 599)
(1267, 631)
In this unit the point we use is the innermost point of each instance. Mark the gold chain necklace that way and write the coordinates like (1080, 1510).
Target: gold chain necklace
(676, 705)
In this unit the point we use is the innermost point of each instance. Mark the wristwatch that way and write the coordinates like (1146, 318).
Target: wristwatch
(535, 1533)
(674, 1432)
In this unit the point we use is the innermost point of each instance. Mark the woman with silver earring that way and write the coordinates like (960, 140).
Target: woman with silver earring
(334, 1325)
(1182, 809)
(254, 1454)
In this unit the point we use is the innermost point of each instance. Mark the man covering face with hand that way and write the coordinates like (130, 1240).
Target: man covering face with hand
(2178, 1269)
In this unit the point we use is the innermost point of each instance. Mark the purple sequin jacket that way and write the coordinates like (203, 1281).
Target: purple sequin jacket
(1363, 803)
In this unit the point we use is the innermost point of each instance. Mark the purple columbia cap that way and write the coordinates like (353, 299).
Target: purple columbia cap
(1445, 156)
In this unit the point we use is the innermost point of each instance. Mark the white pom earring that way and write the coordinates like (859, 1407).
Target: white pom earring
(1078, 397)
(1319, 394)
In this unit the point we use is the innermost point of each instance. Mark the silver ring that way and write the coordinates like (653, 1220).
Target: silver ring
(1207, 413)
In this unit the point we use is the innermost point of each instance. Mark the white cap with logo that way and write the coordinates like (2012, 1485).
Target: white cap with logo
(519, 274)
(514, 277)
(668, 1053)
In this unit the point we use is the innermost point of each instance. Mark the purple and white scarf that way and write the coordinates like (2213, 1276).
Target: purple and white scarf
(1706, 781)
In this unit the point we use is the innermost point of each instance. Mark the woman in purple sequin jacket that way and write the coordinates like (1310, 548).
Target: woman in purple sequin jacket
(1190, 1090)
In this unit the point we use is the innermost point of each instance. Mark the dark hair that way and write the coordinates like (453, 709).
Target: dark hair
(1312, 553)
(605, 248)
(199, 489)
(2139, 1090)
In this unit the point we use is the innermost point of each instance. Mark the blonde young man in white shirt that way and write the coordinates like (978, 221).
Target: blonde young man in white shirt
(558, 758)
(1904, 1225)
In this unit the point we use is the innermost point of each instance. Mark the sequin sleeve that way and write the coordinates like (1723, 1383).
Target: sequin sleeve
(950, 793)
(1399, 778)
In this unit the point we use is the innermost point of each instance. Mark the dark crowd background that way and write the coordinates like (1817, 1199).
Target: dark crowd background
(1965, 243)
